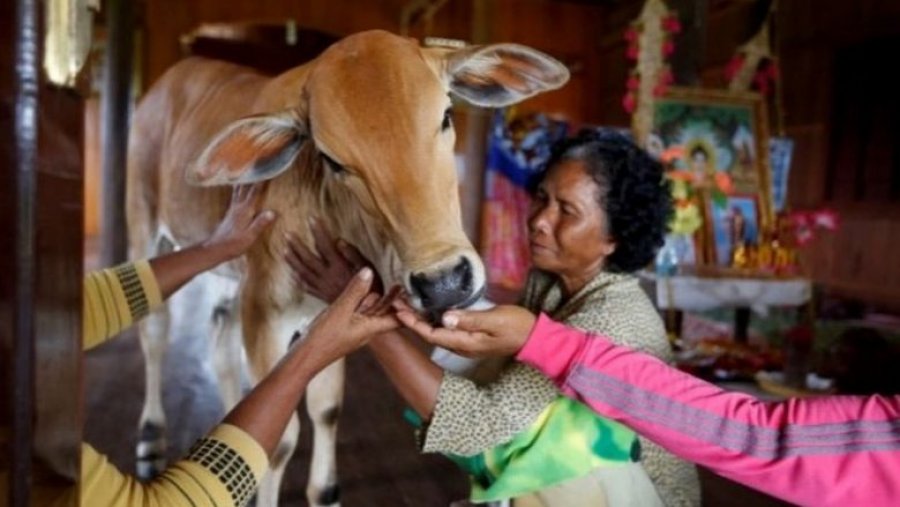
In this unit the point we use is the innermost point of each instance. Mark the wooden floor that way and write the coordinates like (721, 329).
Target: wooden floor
(378, 463)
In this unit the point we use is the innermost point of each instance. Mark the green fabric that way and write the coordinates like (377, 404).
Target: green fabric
(565, 442)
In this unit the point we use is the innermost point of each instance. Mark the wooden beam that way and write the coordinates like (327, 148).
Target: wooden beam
(41, 194)
(114, 114)
(21, 46)
(476, 132)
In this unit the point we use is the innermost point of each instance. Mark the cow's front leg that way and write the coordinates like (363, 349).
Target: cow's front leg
(151, 445)
(324, 399)
(267, 334)
(227, 347)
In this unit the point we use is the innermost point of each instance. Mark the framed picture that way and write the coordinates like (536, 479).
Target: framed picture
(718, 132)
(736, 220)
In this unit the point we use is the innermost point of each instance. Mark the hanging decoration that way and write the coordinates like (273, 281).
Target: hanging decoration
(753, 66)
(68, 25)
(649, 44)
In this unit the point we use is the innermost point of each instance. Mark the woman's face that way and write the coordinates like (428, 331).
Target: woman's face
(567, 226)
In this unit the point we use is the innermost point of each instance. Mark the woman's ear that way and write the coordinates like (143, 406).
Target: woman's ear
(609, 246)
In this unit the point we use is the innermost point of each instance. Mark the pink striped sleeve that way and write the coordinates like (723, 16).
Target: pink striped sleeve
(835, 450)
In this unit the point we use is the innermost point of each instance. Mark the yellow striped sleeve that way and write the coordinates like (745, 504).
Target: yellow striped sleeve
(115, 298)
(149, 283)
(228, 465)
(223, 469)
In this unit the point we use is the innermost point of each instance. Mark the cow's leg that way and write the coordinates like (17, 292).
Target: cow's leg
(266, 339)
(154, 337)
(324, 398)
(228, 348)
(271, 483)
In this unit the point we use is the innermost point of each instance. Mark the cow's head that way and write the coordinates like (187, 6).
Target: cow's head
(368, 124)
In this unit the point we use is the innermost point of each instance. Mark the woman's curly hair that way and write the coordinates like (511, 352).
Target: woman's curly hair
(633, 192)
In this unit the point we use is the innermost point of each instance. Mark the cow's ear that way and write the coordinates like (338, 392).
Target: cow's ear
(502, 74)
(248, 150)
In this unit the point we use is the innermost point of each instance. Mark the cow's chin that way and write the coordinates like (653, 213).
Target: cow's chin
(476, 301)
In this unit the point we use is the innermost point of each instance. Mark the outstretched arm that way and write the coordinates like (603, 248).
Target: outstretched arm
(347, 324)
(117, 297)
(239, 229)
(226, 466)
(830, 450)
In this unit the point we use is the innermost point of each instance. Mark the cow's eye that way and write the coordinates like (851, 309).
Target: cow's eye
(448, 120)
(332, 164)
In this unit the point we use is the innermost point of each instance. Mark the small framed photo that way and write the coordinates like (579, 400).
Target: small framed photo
(738, 220)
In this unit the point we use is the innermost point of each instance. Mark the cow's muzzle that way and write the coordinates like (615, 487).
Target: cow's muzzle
(451, 287)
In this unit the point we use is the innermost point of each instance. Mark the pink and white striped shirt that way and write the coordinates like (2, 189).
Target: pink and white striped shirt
(826, 451)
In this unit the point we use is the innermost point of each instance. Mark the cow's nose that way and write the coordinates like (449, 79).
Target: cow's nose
(444, 289)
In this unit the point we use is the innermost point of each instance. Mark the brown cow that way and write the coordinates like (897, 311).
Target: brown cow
(360, 137)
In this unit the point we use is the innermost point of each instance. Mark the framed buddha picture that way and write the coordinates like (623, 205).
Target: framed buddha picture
(723, 138)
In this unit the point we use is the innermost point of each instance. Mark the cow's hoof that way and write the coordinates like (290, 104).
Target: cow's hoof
(330, 496)
(151, 452)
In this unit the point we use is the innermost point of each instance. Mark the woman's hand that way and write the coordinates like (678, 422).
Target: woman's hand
(324, 275)
(352, 319)
(499, 331)
(238, 230)
(242, 224)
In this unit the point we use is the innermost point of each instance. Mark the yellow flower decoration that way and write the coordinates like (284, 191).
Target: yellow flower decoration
(687, 219)
(680, 190)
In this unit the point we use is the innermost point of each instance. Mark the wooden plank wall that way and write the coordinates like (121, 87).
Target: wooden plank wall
(538, 23)
(854, 262)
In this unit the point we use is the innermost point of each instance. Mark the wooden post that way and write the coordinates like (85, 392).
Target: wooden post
(20, 83)
(41, 216)
(477, 125)
(114, 119)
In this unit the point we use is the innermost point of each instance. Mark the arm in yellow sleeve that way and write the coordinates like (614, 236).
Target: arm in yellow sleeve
(115, 298)
(223, 469)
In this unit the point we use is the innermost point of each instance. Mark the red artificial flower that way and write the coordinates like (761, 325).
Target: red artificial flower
(668, 47)
(666, 77)
(633, 82)
(761, 82)
(772, 70)
(632, 51)
(660, 89)
(804, 236)
(734, 66)
(631, 34)
(826, 219)
(671, 23)
(629, 102)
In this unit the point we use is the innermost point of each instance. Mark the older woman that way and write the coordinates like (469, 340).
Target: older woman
(599, 213)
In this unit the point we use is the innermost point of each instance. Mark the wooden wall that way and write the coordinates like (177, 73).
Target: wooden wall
(524, 22)
(811, 34)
